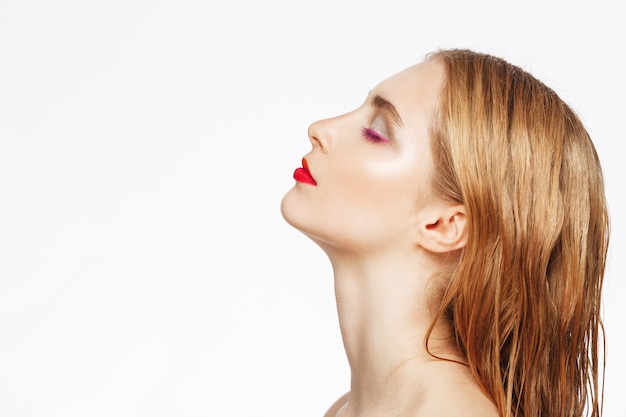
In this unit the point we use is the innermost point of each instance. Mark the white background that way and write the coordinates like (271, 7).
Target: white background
(145, 146)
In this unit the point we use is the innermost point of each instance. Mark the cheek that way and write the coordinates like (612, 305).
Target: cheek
(379, 197)
(382, 184)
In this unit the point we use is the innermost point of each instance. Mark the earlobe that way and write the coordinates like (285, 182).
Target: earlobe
(445, 230)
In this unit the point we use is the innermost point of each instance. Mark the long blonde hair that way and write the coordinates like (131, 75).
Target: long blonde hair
(524, 299)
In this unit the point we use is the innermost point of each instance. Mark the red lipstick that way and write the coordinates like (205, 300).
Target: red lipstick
(303, 174)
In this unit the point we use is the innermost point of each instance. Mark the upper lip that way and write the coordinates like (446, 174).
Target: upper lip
(305, 165)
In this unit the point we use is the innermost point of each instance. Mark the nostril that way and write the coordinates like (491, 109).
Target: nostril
(318, 135)
(315, 141)
(312, 132)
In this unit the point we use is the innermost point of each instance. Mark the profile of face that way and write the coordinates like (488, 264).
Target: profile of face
(366, 184)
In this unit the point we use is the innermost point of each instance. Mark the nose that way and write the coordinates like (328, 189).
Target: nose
(320, 134)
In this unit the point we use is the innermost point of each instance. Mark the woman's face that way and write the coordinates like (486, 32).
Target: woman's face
(369, 170)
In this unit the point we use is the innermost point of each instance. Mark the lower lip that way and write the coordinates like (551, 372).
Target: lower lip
(302, 175)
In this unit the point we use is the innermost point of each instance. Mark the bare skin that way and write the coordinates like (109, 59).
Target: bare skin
(390, 241)
(383, 325)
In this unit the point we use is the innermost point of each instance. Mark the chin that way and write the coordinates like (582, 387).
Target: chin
(285, 209)
(292, 211)
(298, 216)
(321, 231)
(334, 232)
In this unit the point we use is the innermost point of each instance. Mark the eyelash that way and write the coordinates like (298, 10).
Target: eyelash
(373, 136)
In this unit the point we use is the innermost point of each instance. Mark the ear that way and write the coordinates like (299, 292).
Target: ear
(443, 229)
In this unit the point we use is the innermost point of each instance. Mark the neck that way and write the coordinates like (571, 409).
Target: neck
(385, 312)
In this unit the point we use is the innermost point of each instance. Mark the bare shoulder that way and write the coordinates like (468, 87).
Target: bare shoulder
(332, 411)
(458, 401)
(465, 401)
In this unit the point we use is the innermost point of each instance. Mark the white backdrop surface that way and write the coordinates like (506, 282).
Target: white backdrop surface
(145, 146)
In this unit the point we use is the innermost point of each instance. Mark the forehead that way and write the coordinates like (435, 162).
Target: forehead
(414, 91)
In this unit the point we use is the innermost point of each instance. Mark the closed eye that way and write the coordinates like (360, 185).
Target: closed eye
(373, 136)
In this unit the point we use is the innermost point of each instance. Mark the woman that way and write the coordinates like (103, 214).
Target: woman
(463, 212)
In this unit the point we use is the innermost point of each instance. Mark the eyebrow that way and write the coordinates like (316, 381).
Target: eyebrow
(381, 103)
